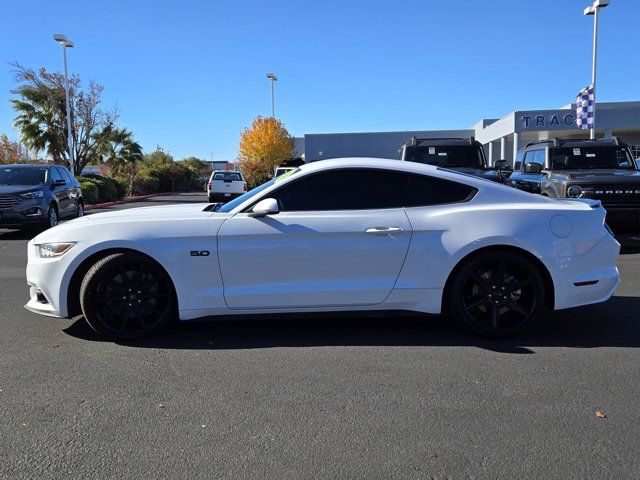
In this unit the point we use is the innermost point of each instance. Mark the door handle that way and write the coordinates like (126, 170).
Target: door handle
(383, 230)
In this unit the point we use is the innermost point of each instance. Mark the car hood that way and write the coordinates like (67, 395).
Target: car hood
(13, 189)
(142, 213)
(605, 176)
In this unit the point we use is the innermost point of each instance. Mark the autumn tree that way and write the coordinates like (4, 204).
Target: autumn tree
(41, 115)
(10, 151)
(262, 147)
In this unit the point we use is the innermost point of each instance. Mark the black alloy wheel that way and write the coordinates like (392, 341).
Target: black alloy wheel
(498, 294)
(127, 295)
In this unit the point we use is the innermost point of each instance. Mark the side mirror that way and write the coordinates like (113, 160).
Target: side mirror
(59, 183)
(502, 165)
(532, 167)
(268, 206)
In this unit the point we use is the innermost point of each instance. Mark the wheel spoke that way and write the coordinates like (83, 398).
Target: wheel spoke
(114, 312)
(152, 308)
(125, 318)
(140, 275)
(115, 298)
(140, 314)
(481, 282)
(495, 316)
(480, 301)
(149, 296)
(125, 277)
(499, 272)
(513, 306)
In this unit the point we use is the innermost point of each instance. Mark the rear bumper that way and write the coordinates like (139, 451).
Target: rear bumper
(223, 197)
(589, 278)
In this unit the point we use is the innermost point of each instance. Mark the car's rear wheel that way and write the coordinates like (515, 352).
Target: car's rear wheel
(127, 295)
(497, 294)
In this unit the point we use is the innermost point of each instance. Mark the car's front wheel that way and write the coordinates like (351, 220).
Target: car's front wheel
(497, 294)
(127, 295)
(52, 217)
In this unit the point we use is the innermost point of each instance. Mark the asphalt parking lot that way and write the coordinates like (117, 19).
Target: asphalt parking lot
(391, 397)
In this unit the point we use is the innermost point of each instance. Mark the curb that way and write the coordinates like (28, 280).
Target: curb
(127, 200)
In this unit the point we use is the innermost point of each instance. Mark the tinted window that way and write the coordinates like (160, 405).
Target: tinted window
(227, 176)
(591, 157)
(348, 189)
(55, 175)
(468, 156)
(539, 157)
(424, 190)
(66, 175)
(23, 176)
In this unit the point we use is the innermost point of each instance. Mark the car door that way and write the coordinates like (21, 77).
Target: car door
(61, 192)
(339, 239)
(73, 189)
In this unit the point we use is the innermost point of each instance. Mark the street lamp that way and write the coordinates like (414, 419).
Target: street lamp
(273, 78)
(593, 10)
(66, 43)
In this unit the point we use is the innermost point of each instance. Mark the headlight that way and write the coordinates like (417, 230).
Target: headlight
(574, 191)
(48, 250)
(36, 194)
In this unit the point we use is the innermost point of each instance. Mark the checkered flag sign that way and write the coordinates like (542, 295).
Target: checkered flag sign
(584, 108)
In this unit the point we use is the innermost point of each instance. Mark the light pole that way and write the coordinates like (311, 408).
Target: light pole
(273, 78)
(593, 10)
(66, 43)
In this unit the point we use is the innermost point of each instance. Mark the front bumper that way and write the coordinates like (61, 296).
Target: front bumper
(29, 213)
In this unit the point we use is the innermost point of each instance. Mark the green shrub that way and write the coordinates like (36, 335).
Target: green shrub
(89, 190)
(106, 189)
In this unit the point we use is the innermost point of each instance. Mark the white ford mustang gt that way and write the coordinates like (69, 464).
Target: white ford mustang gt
(336, 235)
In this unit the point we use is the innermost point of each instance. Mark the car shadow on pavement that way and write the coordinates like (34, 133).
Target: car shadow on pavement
(17, 234)
(611, 324)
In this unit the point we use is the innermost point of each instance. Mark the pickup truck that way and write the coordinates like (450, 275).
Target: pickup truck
(594, 169)
(225, 185)
(464, 155)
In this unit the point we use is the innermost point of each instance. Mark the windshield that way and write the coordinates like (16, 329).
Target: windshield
(227, 207)
(227, 176)
(23, 176)
(567, 158)
(467, 156)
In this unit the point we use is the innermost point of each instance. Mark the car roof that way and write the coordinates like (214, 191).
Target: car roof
(30, 165)
(226, 171)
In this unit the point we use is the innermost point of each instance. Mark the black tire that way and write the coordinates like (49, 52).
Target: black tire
(127, 295)
(211, 199)
(80, 209)
(53, 217)
(497, 294)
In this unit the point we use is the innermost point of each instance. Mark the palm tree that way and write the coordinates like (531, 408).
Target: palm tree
(117, 149)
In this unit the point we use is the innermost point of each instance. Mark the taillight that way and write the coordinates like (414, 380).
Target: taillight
(245, 186)
(209, 185)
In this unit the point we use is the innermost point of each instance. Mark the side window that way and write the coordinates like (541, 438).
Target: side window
(66, 175)
(424, 190)
(517, 165)
(539, 157)
(55, 174)
(343, 189)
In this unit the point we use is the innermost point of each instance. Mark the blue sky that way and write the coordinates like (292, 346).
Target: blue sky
(190, 75)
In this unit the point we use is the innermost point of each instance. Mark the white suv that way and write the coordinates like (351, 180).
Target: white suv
(225, 185)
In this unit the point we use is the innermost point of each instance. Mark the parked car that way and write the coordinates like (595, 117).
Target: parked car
(282, 170)
(334, 235)
(225, 185)
(38, 196)
(464, 155)
(596, 169)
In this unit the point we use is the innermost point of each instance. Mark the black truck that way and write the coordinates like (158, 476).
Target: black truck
(464, 155)
(596, 169)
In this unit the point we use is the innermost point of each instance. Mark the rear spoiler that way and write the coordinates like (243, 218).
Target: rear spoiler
(592, 203)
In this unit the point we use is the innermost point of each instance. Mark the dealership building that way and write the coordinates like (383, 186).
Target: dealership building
(501, 137)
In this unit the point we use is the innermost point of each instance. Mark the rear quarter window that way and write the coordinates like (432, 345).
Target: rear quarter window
(423, 190)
